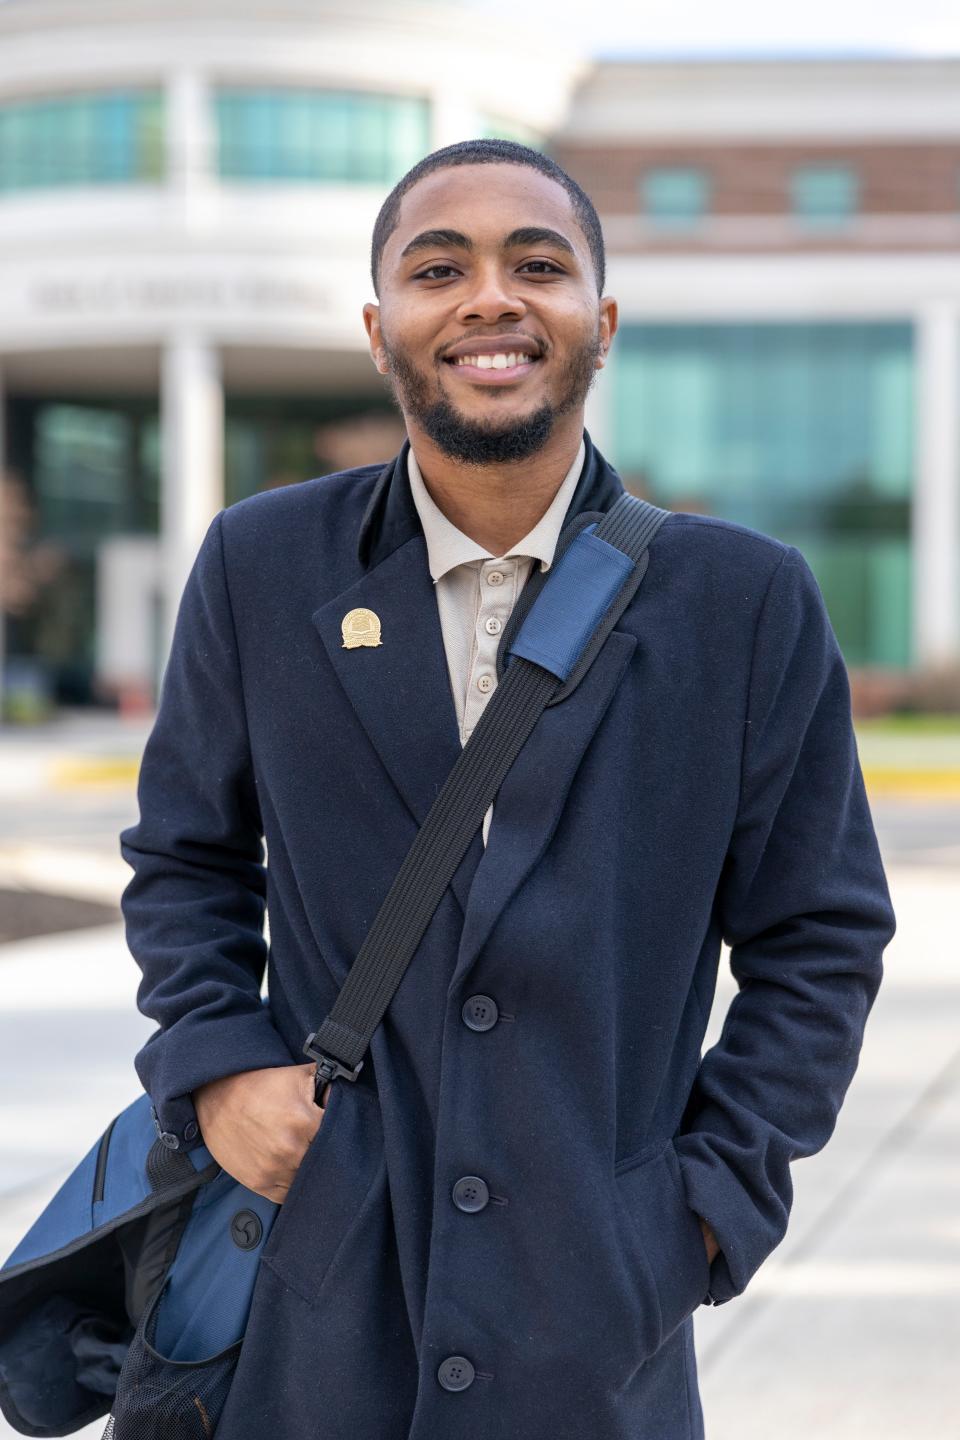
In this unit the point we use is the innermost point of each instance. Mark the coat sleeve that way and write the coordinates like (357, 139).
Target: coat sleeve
(804, 906)
(194, 908)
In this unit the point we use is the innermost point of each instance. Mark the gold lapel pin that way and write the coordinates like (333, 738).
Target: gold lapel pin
(360, 627)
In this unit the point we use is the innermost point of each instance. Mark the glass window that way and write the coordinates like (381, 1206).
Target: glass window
(674, 197)
(319, 135)
(802, 431)
(824, 195)
(97, 139)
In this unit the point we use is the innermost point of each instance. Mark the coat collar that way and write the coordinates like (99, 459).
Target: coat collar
(391, 517)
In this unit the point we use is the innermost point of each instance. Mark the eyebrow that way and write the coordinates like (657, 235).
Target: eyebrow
(455, 239)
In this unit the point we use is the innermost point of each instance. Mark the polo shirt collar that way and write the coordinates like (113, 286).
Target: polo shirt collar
(448, 546)
(391, 518)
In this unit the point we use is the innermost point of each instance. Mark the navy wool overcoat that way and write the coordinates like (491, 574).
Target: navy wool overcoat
(699, 784)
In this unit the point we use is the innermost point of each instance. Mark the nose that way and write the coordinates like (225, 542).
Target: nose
(492, 297)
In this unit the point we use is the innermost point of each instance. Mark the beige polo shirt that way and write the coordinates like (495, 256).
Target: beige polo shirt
(476, 591)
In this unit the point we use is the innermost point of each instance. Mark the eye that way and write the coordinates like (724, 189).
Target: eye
(431, 272)
(548, 267)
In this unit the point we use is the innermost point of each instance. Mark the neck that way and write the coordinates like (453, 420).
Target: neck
(496, 505)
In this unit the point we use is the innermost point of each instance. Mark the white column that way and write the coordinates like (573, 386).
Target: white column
(191, 147)
(936, 498)
(192, 488)
(598, 412)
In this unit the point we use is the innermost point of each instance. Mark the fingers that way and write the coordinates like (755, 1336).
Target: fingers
(263, 1124)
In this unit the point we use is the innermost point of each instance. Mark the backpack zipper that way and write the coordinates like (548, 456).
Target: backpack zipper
(100, 1175)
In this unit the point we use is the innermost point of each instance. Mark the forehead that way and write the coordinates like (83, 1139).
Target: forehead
(485, 202)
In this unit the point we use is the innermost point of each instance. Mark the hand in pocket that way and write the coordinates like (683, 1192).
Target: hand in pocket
(257, 1124)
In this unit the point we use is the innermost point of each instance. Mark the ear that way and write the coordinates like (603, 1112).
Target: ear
(371, 320)
(609, 319)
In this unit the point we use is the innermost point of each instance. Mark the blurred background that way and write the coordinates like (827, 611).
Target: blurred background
(187, 192)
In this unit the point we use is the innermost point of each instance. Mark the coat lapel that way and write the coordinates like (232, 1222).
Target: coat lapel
(400, 691)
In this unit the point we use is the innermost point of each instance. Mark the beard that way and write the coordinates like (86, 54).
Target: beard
(488, 442)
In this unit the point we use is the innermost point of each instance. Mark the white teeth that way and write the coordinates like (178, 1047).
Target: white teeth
(494, 362)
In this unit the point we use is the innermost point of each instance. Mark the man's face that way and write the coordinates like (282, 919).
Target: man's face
(489, 324)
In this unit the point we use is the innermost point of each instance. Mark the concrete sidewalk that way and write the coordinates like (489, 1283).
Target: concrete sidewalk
(849, 1330)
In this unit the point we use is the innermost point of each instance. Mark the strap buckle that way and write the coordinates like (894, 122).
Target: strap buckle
(328, 1066)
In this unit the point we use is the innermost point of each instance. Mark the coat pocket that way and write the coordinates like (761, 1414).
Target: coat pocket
(325, 1200)
(651, 1188)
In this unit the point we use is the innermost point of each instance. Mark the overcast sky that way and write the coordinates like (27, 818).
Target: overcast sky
(746, 27)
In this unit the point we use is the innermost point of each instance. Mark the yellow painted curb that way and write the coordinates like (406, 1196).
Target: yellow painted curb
(94, 770)
(921, 784)
(943, 784)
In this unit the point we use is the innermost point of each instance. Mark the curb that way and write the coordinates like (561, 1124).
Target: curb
(76, 771)
(81, 770)
(884, 780)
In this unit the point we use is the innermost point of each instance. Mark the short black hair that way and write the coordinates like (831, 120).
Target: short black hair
(488, 152)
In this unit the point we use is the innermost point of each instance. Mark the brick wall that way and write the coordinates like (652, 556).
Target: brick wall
(909, 193)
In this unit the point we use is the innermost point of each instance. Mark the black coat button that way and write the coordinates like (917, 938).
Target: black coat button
(455, 1373)
(480, 1012)
(470, 1193)
(191, 1130)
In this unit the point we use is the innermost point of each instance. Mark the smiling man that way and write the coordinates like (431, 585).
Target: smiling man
(504, 1224)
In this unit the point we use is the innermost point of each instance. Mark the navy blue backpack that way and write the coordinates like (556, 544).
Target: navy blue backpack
(131, 1291)
(136, 1230)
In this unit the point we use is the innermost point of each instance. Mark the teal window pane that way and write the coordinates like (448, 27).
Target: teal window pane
(114, 137)
(319, 135)
(802, 431)
(82, 464)
(674, 196)
(824, 195)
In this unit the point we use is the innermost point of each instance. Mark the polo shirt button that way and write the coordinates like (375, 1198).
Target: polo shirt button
(495, 577)
(485, 683)
(455, 1373)
(492, 625)
(480, 1012)
(470, 1193)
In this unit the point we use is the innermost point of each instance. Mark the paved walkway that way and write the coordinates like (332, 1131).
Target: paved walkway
(849, 1330)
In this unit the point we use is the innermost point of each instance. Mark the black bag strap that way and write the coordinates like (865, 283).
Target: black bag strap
(525, 689)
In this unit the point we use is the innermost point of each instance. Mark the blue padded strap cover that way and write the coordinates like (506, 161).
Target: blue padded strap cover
(569, 608)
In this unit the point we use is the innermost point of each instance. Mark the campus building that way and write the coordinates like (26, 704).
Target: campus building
(187, 191)
(785, 239)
